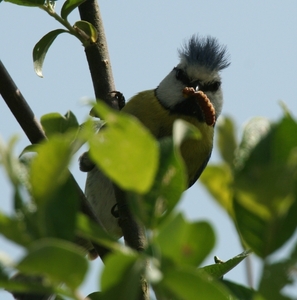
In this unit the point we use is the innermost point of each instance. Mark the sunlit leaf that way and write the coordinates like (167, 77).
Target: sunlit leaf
(265, 198)
(191, 285)
(86, 30)
(220, 269)
(90, 230)
(169, 184)
(226, 139)
(181, 241)
(125, 151)
(41, 48)
(49, 168)
(218, 180)
(59, 261)
(53, 123)
(69, 6)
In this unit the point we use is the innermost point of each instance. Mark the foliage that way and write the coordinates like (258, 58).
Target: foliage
(256, 184)
(46, 217)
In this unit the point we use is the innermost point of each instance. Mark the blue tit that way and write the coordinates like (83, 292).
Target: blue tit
(201, 60)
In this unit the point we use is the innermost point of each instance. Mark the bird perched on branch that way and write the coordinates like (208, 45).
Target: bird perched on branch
(192, 92)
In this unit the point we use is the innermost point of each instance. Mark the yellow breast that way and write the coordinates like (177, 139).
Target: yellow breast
(146, 107)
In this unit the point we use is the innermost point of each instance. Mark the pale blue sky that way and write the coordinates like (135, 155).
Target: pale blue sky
(143, 37)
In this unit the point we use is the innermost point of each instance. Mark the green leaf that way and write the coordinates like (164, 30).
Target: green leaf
(218, 180)
(69, 6)
(278, 274)
(226, 139)
(242, 292)
(125, 151)
(59, 261)
(49, 167)
(53, 123)
(28, 287)
(186, 243)
(220, 269)
(27, 2)
(15, 170)
(169, 184)
(191, 285)
(89, 230)
(121, 276)
(15, 230)
(96, 296)
(57, 216)
(86, 30)
(41, 48)
(265, 198)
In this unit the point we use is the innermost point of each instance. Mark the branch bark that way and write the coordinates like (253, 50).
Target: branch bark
(32, 128)
(98, 56)
(101, 73)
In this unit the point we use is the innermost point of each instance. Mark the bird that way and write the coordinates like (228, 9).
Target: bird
(191, 91)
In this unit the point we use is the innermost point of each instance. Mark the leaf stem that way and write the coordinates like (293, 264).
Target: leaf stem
(48, 7)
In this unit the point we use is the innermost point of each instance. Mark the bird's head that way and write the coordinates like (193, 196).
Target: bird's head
(201, 60)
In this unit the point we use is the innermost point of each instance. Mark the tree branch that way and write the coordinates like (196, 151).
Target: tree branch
(100, 68)
(32, 128)
(101, 73)
(98, 56)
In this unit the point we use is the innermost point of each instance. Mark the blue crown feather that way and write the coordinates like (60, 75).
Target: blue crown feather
(205, 52)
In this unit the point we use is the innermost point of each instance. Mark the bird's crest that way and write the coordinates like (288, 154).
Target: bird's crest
(204, 52)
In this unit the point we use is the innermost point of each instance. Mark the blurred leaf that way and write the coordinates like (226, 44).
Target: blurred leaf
(15, 170)
(69, 6)
(185, 242)
(86, 30)
(27, 2)
(182, 131)
(190, 284)
(255, 130)
(27, 287)
(88, 229)
(265, 203)
(226, 139)
(277, 275)
(218, 180)
(58, 260)
(15, 230)
(41, 48)
(220, 269)
(169, 184)
(96, 296)
(121, 276)
(49, 168)
(125, 151)
(170, 181)
(57, 216)
(53, 123)
(241, 292)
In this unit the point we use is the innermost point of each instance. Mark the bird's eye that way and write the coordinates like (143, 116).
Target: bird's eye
(214, 86)
(181, 75)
